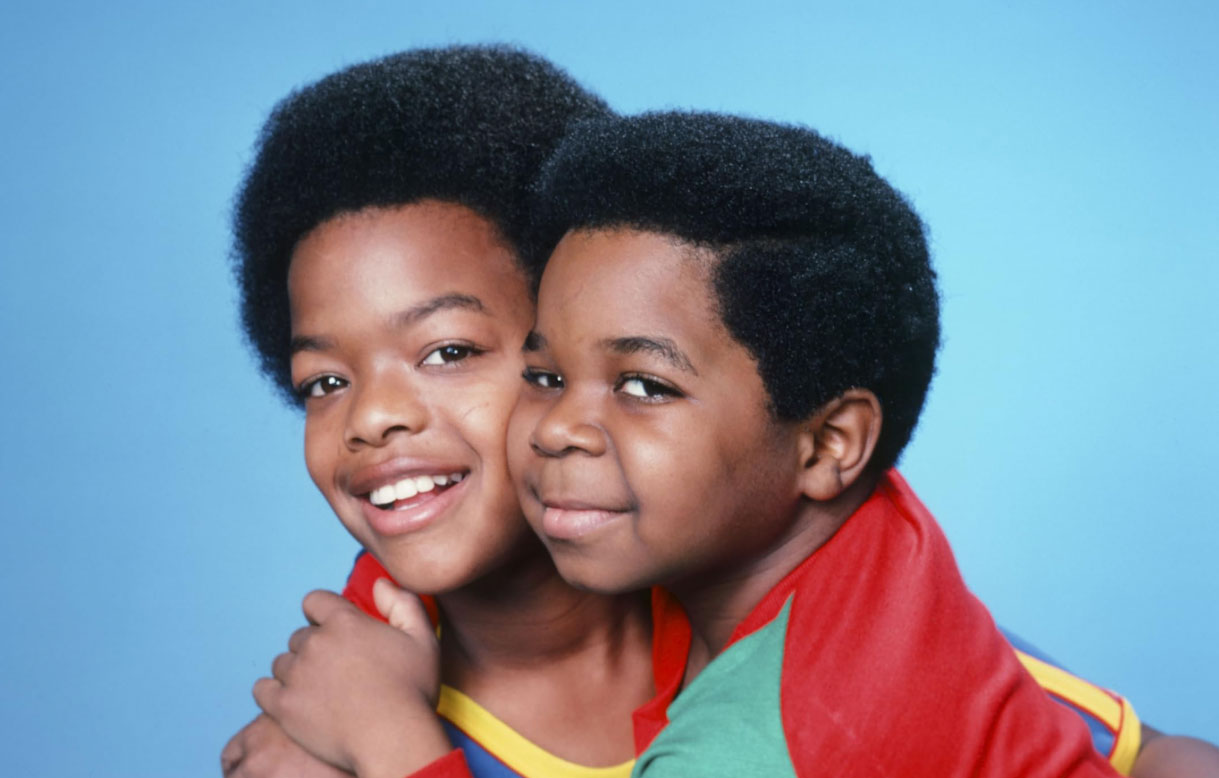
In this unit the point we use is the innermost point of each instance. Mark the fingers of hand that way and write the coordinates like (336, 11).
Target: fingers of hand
(401, 609)
(234, 751)
(263, 750)
(297, 640)
(267, 693)
(281, 666)
(320, 605)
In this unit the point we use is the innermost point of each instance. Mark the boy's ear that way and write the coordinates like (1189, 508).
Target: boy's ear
(837, 442)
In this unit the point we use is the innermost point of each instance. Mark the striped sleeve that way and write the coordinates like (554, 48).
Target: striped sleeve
(1115, 727)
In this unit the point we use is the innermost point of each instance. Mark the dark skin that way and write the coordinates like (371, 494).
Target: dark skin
(263, 750)
(627, 396)
(547, 673)
(1164, 756)
(408, 323)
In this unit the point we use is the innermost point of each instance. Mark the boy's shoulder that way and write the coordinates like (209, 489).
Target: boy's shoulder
(890, 538)
(872, 657)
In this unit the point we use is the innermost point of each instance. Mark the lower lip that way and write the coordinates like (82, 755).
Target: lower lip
(561, 524)
(413, 517)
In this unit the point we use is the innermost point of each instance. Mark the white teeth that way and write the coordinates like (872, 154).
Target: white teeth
(383, 496)
(406, 489)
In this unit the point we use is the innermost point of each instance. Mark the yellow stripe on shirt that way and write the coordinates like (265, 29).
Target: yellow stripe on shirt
(1114, 712)
(507, 745)
(1129, 740)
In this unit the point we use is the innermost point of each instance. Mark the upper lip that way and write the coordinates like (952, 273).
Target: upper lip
(365, 479)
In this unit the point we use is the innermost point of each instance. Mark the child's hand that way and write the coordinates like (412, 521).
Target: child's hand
(262, 750)
(357, 693)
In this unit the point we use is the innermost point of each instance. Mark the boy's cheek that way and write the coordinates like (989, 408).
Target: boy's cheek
(532, 511)
(521, 457)
(318, 444)
(521, 480)
(497, 387)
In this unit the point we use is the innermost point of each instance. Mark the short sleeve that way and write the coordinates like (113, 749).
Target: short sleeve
(451, 765)
(1115, 727)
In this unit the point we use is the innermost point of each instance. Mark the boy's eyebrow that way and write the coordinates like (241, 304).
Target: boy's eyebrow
(440, 303)
(308, 343)
(399, 320)
(664, 348)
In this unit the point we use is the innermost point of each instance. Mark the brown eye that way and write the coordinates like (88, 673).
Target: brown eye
(645, 388)
(453, 352)
(320, 386)
(542, 379)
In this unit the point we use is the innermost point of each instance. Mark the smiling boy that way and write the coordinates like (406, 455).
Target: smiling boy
(381, 252)
(734, 340)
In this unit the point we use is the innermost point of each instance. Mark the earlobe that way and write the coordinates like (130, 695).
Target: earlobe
(837, 443)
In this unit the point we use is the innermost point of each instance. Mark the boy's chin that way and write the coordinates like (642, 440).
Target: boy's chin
(438, 568)
(427, 574)
(581, 573)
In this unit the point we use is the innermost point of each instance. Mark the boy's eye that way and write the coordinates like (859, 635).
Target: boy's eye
(453, 352)
(320, 386)
(542, 379)
(645, 388)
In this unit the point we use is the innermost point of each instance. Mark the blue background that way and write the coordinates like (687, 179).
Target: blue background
(160, 527)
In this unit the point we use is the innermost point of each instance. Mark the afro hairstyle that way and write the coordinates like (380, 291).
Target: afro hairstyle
(469, 125)
(821, 268)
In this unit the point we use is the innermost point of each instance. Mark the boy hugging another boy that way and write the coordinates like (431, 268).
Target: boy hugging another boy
(734, 340)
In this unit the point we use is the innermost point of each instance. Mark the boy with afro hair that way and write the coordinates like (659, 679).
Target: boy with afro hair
(461, 124)
(382, 245)
(734, 340)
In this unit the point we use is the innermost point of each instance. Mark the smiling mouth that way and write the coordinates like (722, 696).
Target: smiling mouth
(404, 493)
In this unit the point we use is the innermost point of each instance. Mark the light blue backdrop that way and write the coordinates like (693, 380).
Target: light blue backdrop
(159, 525)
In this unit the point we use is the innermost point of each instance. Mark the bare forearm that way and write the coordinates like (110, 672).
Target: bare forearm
(1175, 756)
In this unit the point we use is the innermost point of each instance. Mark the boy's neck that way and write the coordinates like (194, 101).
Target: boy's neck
(525, 616)
(552, 663)
(717, 603)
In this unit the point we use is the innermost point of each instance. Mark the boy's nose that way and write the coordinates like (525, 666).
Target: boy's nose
(571, 425)
(383, 406)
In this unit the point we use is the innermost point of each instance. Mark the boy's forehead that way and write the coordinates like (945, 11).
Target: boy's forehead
(612, 283)
(618, 258)
(395, 259)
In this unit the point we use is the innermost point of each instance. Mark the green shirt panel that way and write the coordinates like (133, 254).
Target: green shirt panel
(728, 721)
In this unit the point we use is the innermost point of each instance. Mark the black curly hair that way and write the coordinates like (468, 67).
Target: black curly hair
(822, 270)
(470, 125)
